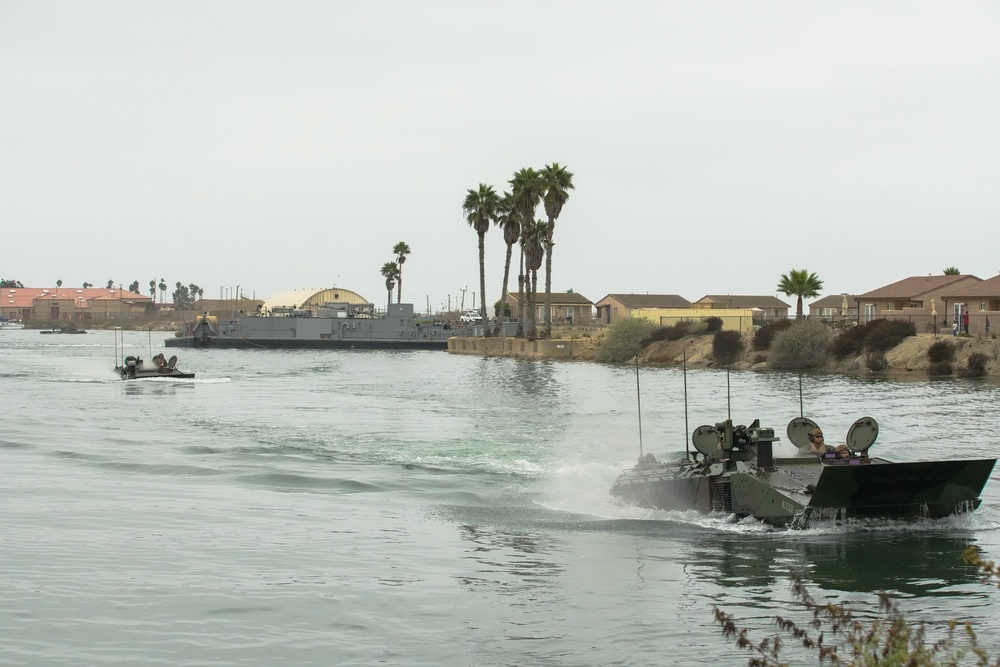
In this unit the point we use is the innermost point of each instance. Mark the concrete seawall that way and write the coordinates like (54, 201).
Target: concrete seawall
(504, 346)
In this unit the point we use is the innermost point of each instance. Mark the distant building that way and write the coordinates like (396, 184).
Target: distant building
(567, 307)
(918, 299)
(614, 307)
(766, 308)
(834, 308)
(71, 303)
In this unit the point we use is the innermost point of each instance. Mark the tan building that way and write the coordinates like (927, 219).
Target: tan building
(918, 299)
(71, 303)
(981, 301)
(567, 307)
(614, 307)
(834, 309)
(765, 308)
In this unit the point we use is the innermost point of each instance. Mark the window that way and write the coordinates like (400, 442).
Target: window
(889, 306)
(982, 305)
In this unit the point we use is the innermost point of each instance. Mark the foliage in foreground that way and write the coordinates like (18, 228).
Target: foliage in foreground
(875, 337)
(838, 638)
(805, 344)
(624, 339)
(764, 336)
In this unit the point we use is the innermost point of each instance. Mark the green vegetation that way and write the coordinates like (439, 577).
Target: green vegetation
(624, 339)
(390, 271)
(673, 332)
(508, 220)
(804, 345)
(713, 324)
(975, 365)
(480, 208)
(727, 347)
(952, 271)
(400, 250)
(939, 368)
(941, 350)
(840, 638)
(876, 336)
(763, 336)
(557, 182)
(800, 283)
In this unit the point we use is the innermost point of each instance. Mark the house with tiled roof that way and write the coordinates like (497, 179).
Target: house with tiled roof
(765, 307)
(614, 307)
(918, 299)
(69, 303)
(834, 308)
(567, 307)
(980, 300)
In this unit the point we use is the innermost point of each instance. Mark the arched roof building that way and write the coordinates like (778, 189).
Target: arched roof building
(313, 300)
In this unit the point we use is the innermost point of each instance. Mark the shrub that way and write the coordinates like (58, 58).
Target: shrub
(975, 366)
(763, 337)
(875, 336)
(727, 346)
(806, 344)
(942, 350)
(875, 361)
(623, 339)
(843, 638)
(938, 368)
(713, 324)
(883, 335)
(674, 332)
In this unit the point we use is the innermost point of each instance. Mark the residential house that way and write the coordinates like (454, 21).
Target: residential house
(567, 307)
(918, 299)
(980, 301)
(70, 303)
(834, 309)
(614, 307)
(766, 308)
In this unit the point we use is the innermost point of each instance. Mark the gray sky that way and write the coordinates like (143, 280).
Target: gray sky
(714, 145)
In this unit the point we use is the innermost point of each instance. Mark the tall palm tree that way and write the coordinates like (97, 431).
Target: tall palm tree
(480, 208)
(401, 250)
(390, 271)
(557, 182)
(952, 271)
(163, 289)
(533, 243)
(152, 289)
(526, 191)
(59, 283)
(800, 283)
(507, 220)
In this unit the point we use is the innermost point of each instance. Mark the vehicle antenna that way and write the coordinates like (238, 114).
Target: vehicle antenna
(150, 332)
(638, 403)
(687, 448)
(729, 411)
(801, 412)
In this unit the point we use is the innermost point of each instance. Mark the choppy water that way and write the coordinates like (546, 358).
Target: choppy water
(418, 508)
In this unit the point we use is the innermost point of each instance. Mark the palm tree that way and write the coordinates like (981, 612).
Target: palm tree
(401, 250)
(507, 220)
(480, 208)
(59, 283)
(152, 289)
(526, 191)
(557, 181)
(134, 287)
(390, 270)
(952, 271)
(800, 283)
(163, 289)
(533, 242)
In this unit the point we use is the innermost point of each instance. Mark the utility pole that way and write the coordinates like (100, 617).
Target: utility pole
(462, 290)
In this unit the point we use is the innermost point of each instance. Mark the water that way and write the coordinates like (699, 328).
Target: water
(419, 508)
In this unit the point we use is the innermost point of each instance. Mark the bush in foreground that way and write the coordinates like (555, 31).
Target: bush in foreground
(942, 350)
(624, 339)
(840, 638)
(805, 344)
(975, 366)
(939, 368)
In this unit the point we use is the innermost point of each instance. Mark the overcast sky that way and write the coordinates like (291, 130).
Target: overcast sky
(285, 145)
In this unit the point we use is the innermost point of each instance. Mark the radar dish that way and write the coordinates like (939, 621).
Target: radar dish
(707, 439)
(798, 431)
(862, 434)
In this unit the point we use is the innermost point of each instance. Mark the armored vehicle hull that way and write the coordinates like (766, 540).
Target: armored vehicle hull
(738, 476)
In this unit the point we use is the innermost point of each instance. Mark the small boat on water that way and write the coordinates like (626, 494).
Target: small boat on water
(67, 329)
(738, 475)
(133, 368)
